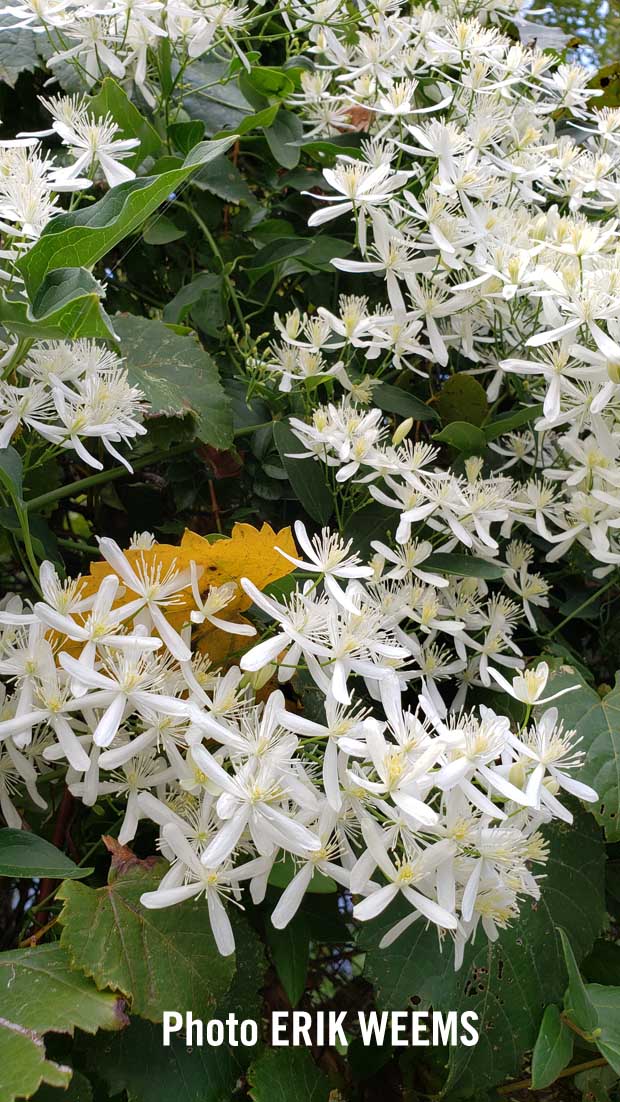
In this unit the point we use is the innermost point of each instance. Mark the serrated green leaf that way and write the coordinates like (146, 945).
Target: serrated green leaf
(79, 1090)
(23, 854)
(80, 238)
(553, 1049)
(176, 375)
(207, 1074)
(160, 959)
(40, 992)
(24, 1065)
(507, 983)
(136, 1061)
(283, 1074)
(307, 478)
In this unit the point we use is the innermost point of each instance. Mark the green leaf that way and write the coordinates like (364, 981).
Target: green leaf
(283, 136)
(176, 375)
(79, 239)
(162, 231)
(19, 51)
(11, 473)
(253, 122)
(553, 1049)
(603, 963)
(462, 398)
(39, 992)
(372, 522)
(393, 399)
(606, 1003)
(160, 959)
(467, 438)
(515, 419)
(185, 135)
(207, 1074)
(287, 1074)
(25, 855)
(66, 305)
(596, 722)
(270, 82)
(290, 953)
(217, 101)
(79, 1090)
(112, 100)
(577, 1002)
(205, 285)
(465, 566)
(136, 1061)
(306, 476)
(277, 251)
(507, 983)
(223, 178)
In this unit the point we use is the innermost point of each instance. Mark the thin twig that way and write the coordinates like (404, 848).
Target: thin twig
(526, 1084)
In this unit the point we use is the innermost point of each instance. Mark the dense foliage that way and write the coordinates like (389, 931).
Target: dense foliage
(309, 486)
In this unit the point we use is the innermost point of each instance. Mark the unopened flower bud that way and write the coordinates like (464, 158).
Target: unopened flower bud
(259, 678)
(551, 785)
(402, 431)
(516, 775)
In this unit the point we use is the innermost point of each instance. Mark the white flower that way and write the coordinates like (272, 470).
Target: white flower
(528, 686)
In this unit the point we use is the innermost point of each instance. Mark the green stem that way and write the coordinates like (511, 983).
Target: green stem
(580, 608)
(114, 473)
(217, 254)
(102, 477)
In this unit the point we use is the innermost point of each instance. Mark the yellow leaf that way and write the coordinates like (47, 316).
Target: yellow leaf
(247, 553)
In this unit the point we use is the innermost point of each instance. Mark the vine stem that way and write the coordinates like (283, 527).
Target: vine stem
(217, 254)
(593, 596)
(102, 477)
(113, 473)
(526, 1084)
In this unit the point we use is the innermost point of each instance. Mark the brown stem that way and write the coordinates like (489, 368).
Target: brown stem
(526, 1084)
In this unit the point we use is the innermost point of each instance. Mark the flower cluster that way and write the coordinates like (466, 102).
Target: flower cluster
(484, 205)
(123, 39)
(72, 394)
(31, 180)
(441, 811)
